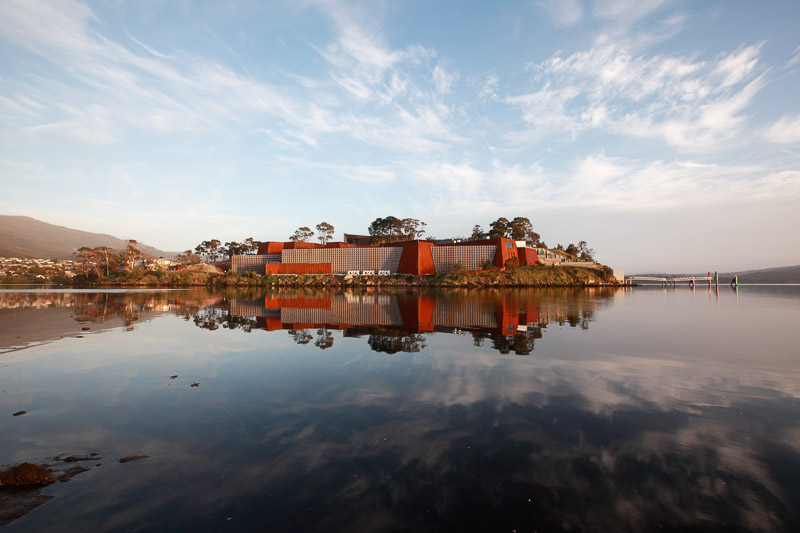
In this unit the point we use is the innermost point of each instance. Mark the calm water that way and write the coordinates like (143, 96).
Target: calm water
(519, 410)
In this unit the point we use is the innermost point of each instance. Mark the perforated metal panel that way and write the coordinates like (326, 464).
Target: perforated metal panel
(342, 311)
(463, 314)
(242, 307)
(472, 257)
(345, 259)
(253, 263)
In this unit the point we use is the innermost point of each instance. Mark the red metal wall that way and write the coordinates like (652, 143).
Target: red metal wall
(506, 249)
(417, 312)
(527, 256)
(298, 268)
(273, 247)
(416, 259)
(270, 247)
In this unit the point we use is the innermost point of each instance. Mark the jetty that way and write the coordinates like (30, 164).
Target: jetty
(672, 281)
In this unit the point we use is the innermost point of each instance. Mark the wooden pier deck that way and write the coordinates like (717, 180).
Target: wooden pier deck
(672, 281)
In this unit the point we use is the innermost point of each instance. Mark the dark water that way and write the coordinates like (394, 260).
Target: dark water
(518, 410)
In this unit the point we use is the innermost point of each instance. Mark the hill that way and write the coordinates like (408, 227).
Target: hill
(789, 274)
(27, 237)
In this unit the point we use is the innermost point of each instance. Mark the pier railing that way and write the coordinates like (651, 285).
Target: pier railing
(672, 281)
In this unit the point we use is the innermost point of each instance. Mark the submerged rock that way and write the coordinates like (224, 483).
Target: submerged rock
(132, 458)
(27, 474)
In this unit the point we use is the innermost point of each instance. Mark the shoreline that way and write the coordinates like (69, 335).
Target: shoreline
(533, 276)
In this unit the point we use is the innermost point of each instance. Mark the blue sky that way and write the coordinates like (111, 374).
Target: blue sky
(665, 134)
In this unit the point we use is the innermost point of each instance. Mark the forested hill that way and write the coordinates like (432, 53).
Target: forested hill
(28, 237)
(789, 274)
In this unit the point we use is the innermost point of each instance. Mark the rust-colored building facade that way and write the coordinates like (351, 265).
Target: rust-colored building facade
(406, 257)
(503, 313)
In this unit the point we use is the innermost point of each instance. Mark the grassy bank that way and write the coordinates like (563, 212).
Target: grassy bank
(533, 276)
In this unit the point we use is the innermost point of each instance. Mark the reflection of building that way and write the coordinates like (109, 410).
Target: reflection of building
(499, 314)
(407, 257)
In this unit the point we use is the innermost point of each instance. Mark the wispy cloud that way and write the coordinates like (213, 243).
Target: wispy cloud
(626, 11)
(785, 131)
(691, 104)
(489, 89)
(562, 12)
(167, 91)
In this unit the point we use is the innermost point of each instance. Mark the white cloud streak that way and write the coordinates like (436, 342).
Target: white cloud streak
(563, 12)
(785, 131)
(174, 91)
(693, 105)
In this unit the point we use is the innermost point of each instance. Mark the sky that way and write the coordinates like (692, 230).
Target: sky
(666, 134)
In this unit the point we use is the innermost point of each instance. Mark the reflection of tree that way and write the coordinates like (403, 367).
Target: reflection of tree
(521, 343)
(300, 336)
(210, 318)
(389, 341)
(245, 323)
(324, 339)
(478, 337)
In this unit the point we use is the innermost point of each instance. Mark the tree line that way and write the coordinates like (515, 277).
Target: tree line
(381, 230)
(101, 261)
(521, 229)
(393, 229)
(304, 233)
(213, 250)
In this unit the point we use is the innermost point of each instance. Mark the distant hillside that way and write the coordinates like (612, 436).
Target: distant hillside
(789, 274)
(28, 237)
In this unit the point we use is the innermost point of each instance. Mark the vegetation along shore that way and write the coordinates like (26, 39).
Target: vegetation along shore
(529, 276)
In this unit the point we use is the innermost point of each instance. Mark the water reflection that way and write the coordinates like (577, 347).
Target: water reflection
(28, 318)
(508, 320)
(642, 410)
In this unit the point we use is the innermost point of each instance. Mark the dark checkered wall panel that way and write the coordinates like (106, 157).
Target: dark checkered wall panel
(472, 257)
(355, 313)
(343, 260)
(253, 263)
(249, 308)
(452, 313)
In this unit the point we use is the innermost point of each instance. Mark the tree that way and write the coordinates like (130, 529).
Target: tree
(393, 229)
(302, 234)
(412, 228)
(105, 255)
(572, 249)
(200, 249)
(130, 255)
(187, 258)
(324, 231)
(478, 233)
(520, 229)
(584, 252)
(213, 249)
(86, 262)
(251, 246)
(232, 248)
(384, 229)
(499, 228)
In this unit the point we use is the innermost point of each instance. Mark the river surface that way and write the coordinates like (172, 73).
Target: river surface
(631, 409)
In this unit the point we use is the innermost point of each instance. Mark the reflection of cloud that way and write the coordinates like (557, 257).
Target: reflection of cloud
(591, 431)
